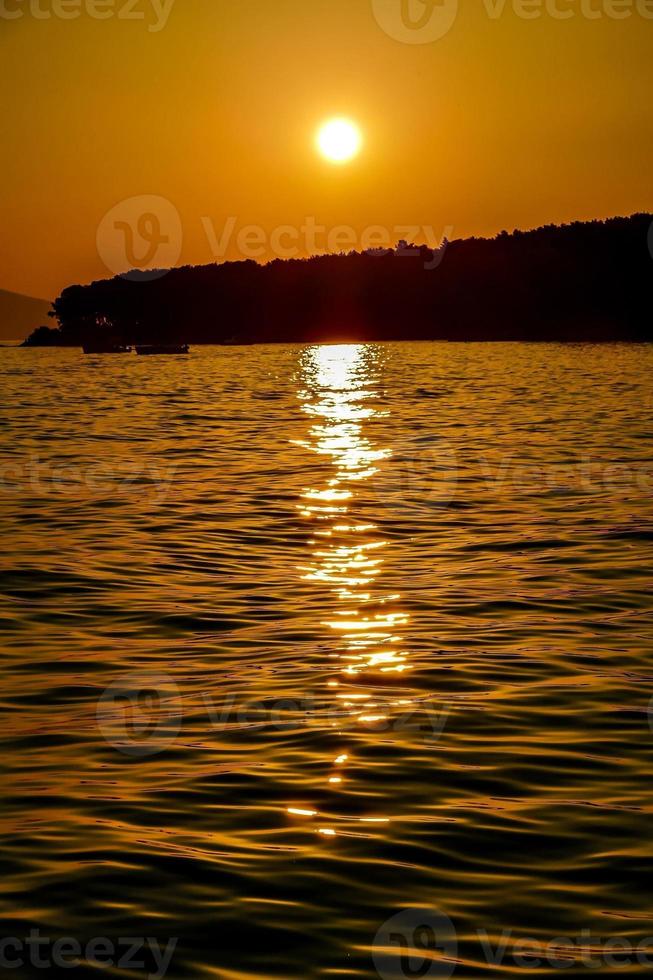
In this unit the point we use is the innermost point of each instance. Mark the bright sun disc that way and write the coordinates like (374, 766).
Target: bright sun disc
(339, 140)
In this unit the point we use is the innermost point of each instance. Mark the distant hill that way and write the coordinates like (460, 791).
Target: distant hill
(587, 281)
(19, 315)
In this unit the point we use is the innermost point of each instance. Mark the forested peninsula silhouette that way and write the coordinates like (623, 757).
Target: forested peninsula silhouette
(586, 281)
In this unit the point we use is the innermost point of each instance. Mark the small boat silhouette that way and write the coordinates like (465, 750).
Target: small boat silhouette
(100, 348)
(163, 349)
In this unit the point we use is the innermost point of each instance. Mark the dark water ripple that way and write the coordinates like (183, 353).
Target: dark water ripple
(299, 639)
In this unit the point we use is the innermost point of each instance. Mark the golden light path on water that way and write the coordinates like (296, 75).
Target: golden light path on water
(347, 554)
(200, 621)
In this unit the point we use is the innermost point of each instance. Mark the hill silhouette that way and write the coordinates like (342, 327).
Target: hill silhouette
(20, 314)
(586, 281)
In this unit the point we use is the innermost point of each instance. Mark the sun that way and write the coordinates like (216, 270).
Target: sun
(339, 140)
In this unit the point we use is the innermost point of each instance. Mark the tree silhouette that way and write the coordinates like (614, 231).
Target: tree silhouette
(579, 282)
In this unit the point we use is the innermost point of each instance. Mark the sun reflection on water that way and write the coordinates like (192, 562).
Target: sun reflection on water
(340, 393)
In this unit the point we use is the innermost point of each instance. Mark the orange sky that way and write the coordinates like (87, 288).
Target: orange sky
(212, 105)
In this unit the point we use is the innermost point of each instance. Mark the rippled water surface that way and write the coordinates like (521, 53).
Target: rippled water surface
(301, 639)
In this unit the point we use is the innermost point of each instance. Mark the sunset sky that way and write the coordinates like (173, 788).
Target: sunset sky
(503, 122)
